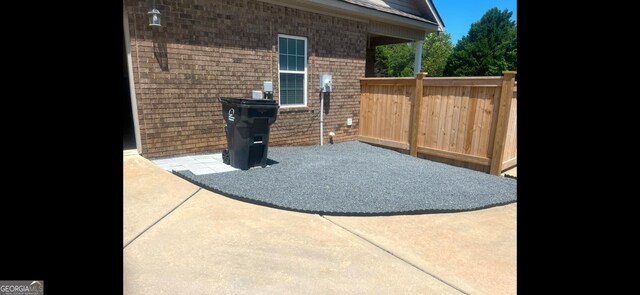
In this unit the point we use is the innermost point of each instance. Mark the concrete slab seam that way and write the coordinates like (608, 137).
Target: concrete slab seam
(396, 256)
(167, 214)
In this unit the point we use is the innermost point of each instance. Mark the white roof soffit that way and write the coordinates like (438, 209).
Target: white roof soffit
(354, 11)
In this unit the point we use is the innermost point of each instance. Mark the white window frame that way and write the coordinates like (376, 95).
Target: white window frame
(293, 72)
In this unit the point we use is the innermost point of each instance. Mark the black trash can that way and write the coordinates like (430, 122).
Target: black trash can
(247, 123)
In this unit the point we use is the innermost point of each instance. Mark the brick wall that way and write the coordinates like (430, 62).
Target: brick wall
(207, 49)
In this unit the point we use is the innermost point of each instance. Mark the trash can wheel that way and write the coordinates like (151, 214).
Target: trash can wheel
(225, 157)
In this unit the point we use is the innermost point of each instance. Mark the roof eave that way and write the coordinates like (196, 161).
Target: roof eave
(378, 15)
(436, 14)
(348, 9)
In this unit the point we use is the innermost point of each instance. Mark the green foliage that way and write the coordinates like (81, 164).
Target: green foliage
(397, 60)
(489, 48)
(435, 52)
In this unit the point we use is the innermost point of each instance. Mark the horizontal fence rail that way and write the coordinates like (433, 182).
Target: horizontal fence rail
(466, 121)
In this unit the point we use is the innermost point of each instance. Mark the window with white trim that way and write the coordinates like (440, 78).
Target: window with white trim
(292, 70)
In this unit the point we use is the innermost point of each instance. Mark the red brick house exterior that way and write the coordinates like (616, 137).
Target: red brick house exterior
(205, 49)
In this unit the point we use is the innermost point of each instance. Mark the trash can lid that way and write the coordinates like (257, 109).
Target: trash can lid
(248, 101)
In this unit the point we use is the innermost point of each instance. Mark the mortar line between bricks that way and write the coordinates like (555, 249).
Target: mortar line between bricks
(394, 255)
(150, 226)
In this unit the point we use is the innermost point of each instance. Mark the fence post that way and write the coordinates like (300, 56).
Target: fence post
(414, 119)
(504, 108)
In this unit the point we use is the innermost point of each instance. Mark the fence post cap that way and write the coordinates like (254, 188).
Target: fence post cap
(508, 73)
(421, 75)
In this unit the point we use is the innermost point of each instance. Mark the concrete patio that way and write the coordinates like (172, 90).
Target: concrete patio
(181, 239)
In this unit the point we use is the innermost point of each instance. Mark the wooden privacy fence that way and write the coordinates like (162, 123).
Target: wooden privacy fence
(466, 121)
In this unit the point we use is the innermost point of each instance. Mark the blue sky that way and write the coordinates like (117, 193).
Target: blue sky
(458, 15)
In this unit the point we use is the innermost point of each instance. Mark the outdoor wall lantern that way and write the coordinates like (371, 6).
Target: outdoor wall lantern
(154, 16)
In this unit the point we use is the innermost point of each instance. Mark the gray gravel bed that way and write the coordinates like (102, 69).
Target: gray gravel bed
(354, 178)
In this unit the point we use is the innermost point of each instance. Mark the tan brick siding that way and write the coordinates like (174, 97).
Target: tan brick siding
(207, 49)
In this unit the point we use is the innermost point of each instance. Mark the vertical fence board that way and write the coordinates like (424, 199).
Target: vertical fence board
(504, 109)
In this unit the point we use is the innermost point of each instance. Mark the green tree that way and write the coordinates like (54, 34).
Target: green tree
(435, 52)
(397, 60)
(489, 48)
